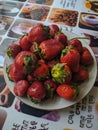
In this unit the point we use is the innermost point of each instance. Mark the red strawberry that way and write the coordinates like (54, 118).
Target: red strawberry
(50, 48)
(86, 57)
(36, 91)
(67, 91)
(24, 43)
(51, 63)
(14, 74)
(32, 48)
(71, 57)
(30, 78)
(50, 87)
(53, 29)
(61, 73)
(21, 87)
(76, 44)
(61, 38)
(81, 75)
(38, 33)
(41, 71)
(25, 61)
(13, 50)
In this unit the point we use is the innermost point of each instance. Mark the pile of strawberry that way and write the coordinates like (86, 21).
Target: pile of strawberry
(46, 63)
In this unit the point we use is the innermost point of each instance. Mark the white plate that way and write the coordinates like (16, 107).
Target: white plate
(57, 102)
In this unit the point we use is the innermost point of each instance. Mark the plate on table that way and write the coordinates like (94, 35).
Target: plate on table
(58, 102)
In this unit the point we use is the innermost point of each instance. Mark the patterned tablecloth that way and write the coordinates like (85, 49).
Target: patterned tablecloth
(16, 19)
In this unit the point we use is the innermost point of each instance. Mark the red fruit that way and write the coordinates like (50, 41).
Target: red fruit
(61, 73)
(86, 57)
(50, 48)
(41, 71)
(76, 44)
(50, 87)
(25, 61)
(61, 38)
(21, 87)
(81, 75)
(13, 50)
(67, 91)
(30, 78)
(71, 57)
(51, 64)
(24, 43)
(38, 33)
(32, 48)
(53, 29)
(36, 91)
(14, 74)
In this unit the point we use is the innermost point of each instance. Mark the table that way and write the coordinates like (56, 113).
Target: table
(16, 18)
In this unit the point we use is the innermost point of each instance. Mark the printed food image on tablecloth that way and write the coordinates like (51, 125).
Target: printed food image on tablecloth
(46, 2)
(49, 115)
(3, 115)
(93, 40)
(19, 0)
(5, 23)
(92, 5)
(88, 21)
(0, 39)
(6, 97)
(20, 27)
(65, 17)
(10, 8)
(35, 12)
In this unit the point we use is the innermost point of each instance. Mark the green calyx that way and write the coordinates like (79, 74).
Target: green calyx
(66, 50)
(49, 91)
(36, 48)
(29, 63)
(46, 28)
(59, 73)
(36, 101)
(76, 90)
(9, 52)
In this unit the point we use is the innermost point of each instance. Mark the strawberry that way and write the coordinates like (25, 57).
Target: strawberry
(25, 61)
(13, 50)
(67, 91)
(81, 75)
(50, 87)
(51, 63)
(71, 57)
(30, 78)
(61, 37)
(50, 48)
(86, 57)
(20, 88)
(61, 73)
(76, 44)
(38, 33)
(24, 43)
(53, 29)
(14, 74)
(41, 71)
(36, 92)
